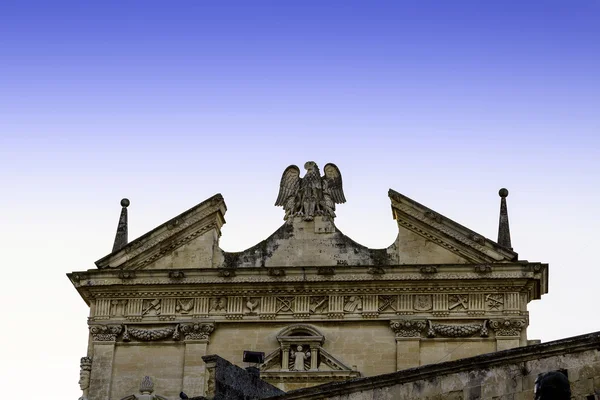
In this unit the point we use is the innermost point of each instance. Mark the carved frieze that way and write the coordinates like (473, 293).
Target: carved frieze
(439, 303)
(508, 327)
(105, 333)
(407, 327)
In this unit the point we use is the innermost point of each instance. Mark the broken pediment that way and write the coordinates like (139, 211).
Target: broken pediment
(187, 241)
(308, 238)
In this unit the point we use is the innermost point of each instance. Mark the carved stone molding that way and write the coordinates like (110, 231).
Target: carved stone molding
(125, 275)
(105, 333)
(428, 269)
(376, 271)
(457, 330)
(200, 331)
(407, 327)
(226, 272)
(483, 268)
(508, 327)
(326, 271)
(276, 272)
(151, 334)
(176, 274)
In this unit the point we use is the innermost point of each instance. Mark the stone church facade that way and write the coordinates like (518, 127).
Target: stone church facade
(320, 306)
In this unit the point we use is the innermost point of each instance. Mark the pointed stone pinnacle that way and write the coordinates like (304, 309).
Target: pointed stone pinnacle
(503, 228)
(121, 236)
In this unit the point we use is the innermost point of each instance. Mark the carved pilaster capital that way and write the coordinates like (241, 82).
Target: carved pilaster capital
(508, 327)
(407, 327)
(197, 331)
(105, 333)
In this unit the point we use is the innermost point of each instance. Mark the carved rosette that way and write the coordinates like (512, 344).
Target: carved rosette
(197, 331)
(105, 333)
(508, 327)
(456, 331)
(407, 328)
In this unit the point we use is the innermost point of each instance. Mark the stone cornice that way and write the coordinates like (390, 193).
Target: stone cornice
(445, 232)
(533, 276)
(168, 236)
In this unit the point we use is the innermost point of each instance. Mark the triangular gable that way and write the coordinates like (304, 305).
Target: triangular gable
(197, 228)
(448, 234)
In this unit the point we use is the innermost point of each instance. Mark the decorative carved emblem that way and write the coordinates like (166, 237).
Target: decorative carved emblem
(218, 304)
(312, 195)
(105, 333)
(386, 302)
(117, 308)
(407, 327)
(455, 331)
(423, 302)
(458, 301)
(494, 301)
(251, 304)
(151, 306)
(353, 303)
(318, 304)
(184, 306)
(508, 327)
(197, 331)
(284, 304)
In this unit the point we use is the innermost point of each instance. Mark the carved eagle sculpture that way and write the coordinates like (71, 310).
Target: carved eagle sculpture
(312, 195)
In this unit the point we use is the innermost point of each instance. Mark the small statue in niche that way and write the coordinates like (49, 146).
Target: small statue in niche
(299, 356)
(85, 366)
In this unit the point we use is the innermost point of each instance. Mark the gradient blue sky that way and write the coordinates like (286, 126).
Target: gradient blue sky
(168, 103)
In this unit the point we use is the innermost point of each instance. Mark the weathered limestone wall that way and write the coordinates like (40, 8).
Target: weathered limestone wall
(503, 375)
(370, 346)
(163, 362)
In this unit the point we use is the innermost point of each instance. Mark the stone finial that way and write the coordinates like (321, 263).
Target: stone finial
(147, 386)
(121, 236)
(503, 229)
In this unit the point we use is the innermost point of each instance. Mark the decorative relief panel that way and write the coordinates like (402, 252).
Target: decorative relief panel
(422, 302)
(457, 330)
(190, 331)
(304, 306)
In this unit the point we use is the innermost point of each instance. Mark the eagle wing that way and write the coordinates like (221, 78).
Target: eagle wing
(290, 182)
(333, 177)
